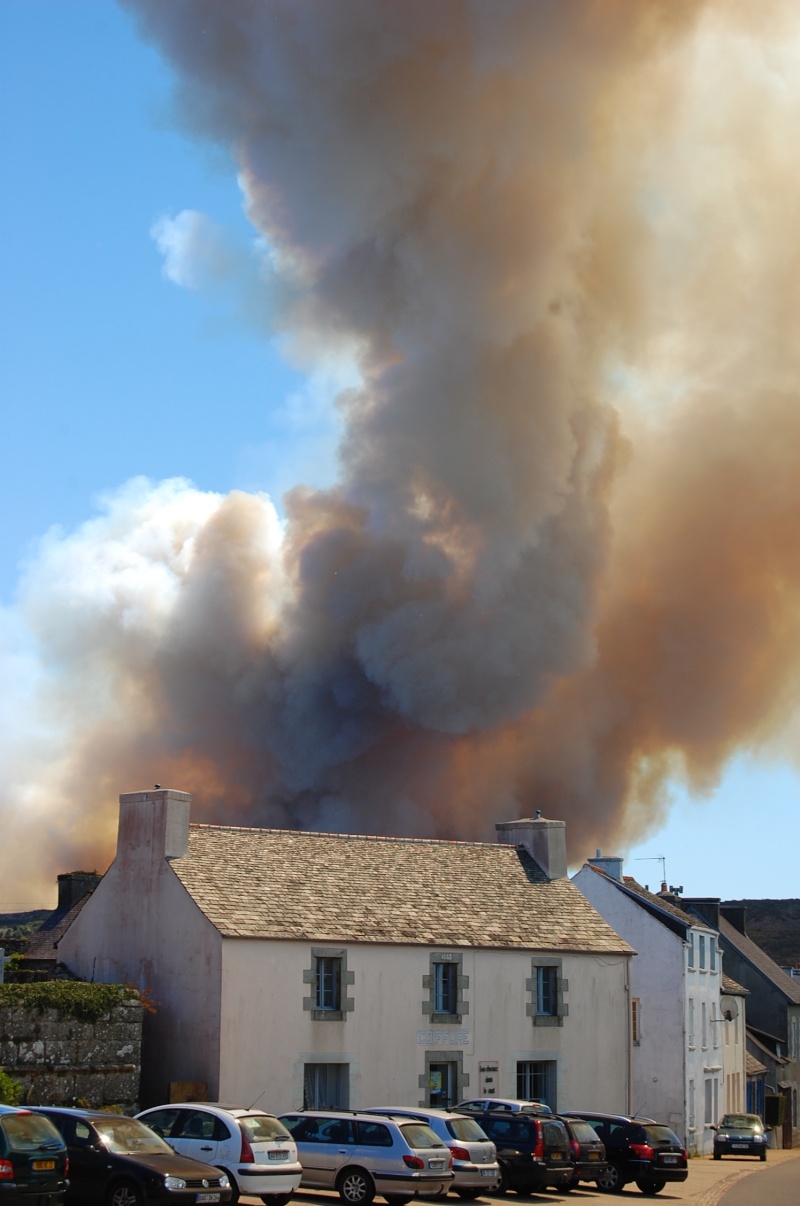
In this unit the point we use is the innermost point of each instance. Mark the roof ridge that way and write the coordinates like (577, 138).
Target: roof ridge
(366, 837)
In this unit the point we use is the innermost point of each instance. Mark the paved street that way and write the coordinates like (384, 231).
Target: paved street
(710, 1183)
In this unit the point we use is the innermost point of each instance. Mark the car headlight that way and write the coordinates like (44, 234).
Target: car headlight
(224, 1183)
(174, 1183)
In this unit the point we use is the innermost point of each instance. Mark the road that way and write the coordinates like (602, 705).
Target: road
(728, 1182)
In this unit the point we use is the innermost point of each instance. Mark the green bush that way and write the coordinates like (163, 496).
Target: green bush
(70, 998)
(10, 1090)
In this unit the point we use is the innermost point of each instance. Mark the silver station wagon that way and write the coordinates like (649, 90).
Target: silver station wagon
(360, 1154)
(475, 1167)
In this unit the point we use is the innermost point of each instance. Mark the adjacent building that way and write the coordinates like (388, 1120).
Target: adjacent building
(313, 969)
(676, 1004)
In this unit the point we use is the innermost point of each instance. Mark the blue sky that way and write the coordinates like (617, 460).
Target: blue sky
(110, 371)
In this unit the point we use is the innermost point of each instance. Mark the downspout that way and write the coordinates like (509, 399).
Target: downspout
(629, 1043)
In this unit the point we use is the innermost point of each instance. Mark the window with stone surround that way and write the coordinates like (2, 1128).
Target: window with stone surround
(547, 987)
(329, 980)
(445, 985)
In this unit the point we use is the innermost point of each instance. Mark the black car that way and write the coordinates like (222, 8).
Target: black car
(532, 1150)
(637, 1149)
(588, 1152)
(740, 1135)
(33, 1159)
(118, 1161)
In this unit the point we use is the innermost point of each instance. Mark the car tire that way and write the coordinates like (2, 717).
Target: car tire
(469, 1195)
(505, 1184)
(355, 1187)
(651, 1186)
(611, 1181)
(762, 1155)
(124, 1193)
(276, 1199)
(717, 1155)
(234, 1187)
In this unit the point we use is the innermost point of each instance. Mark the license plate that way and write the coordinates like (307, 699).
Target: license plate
(43, 1165)
(207, 1197)
(740, 1146)
(488, 1172)
(557, 1156)
(436, 1164)
(278, 1155)
(594, 1155)
(670, 1159)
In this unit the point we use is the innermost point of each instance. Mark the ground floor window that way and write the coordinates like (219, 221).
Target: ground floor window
(326, 1087)
(536, 1080)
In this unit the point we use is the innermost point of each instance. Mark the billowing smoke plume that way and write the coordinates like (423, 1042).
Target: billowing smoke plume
(562, 560)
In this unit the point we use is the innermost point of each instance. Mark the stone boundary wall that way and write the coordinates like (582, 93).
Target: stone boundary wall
(59, 1060)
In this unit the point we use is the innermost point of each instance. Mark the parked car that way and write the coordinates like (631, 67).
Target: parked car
(532, 1149)
(637, 1149)
(588, 1152)
(33, 1159)
(360, 1154)
(253, 1148)
(740, 1135)
(118, 1161)
(479, 1105)
(475, 1167)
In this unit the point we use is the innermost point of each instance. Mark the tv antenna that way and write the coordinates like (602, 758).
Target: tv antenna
(656, 858)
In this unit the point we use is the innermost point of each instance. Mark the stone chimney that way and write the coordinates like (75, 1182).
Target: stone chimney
(154, 823)
(545, 841)
(73, 886)
(610, 863)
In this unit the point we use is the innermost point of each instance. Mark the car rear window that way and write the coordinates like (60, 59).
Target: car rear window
(554, 1132)
(419, 1134)
(465, 1129)
(659, 1135)
(30, 1132)
(262, 1128)
(582, 1131)
(374, 1134)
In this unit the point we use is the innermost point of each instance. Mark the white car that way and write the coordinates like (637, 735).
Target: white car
(254, 1148)
(475, 1166)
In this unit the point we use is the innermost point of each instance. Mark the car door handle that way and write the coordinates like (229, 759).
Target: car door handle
(342, 1151)
(206, 1149)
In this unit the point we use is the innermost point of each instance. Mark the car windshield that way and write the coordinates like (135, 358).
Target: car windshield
(261, 1128)
(419, 1134)
(465, 1129)
(742, 1122)
(126, 1136)
(30, 1132)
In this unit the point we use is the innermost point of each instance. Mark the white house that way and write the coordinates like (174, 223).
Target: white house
(292, 968)
(675, 1006)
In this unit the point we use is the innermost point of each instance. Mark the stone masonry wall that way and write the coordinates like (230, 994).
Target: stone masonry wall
(62, 1061)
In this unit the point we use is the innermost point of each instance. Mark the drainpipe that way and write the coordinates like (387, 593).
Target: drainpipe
(629, 1043)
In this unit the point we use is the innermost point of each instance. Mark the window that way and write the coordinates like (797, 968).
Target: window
(715, 1025)
(547, 988)
(691, 1021)
(704, 1024)
(692, 1117)
(328, 979)
(326, 1087)
(445, 993)
(709, 1104)
(536, 1081)
(636, 1009)
(702, 946)
(445, 985)
(690, 952)
(712, 954)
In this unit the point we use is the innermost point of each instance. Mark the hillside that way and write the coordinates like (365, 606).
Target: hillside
(19, 925)
(775, 926)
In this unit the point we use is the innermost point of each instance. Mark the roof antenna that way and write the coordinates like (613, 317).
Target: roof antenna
(256, 1100)
(656, 858)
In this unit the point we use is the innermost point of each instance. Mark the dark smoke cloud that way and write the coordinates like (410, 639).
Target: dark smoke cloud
(560, 564)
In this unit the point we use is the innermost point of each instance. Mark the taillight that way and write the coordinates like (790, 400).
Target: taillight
(643, 1151)
(66, 1165)
(538, 1151)
(575, 1148)
(459, 1153)
(246, 1155)
(6, 1170)
(413, 1162)
(685, 1153)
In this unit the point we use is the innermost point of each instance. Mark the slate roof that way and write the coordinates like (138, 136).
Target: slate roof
(760, 960)
(287, 884)
(733, 989)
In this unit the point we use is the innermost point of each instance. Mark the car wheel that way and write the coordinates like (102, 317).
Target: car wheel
(611, 1181)
(234, 1187)
(505, 1184)
(355, 1186)
(469, 1194)
(276, 1199)
(762, 1155)
(717, 1155)
(124, 1193)
(655, 1185)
